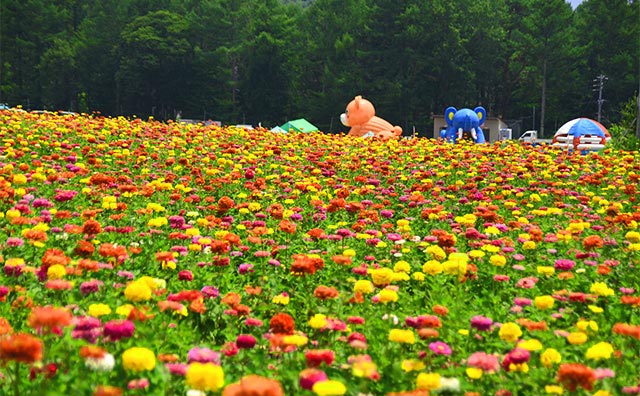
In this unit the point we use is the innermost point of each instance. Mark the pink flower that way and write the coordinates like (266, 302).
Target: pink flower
(484, 361)
(203, 355)
(308, 377)
(527, 283)
(440, 348)
(177, 368)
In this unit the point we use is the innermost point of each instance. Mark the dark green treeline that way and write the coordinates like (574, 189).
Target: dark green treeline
(251, 61)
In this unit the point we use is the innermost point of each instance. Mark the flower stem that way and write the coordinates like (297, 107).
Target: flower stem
(16, 377)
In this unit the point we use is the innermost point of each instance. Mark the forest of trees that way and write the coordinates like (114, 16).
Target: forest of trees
(531, 62)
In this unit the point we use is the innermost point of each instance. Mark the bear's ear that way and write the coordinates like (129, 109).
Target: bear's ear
(448, 115)
(482, 114)
(357, 101)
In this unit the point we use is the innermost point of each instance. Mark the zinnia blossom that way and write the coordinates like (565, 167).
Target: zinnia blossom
(254, 385)
(575, 375)
(21, 347)
(205, 376)
(329, 388)
(138, 359)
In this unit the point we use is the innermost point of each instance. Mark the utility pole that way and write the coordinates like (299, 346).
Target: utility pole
(599, 85)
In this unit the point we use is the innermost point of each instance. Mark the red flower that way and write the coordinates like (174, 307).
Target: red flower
(316, 357)
(254, 385)
(49, 318)
(91, 227)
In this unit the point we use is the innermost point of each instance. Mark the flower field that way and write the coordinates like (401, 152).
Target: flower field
(145, 258)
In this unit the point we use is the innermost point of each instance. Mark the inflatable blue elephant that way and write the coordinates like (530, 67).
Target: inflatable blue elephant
(464, 122)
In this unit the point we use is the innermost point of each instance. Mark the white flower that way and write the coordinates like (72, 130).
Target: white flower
(105, 363)
(449, 385)
(195, 392)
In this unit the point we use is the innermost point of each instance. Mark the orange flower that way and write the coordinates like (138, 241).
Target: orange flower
(49, 318)
(254, 385)
(92, 351)
(592, 242)
(287, 227)
(630, 300)
(231, 299)
(91, 227)
(531, 325)
(316, 233)
(168, 358)
(106, 390)
(427, 333)
(54, 256)
(325, 292)
(342, 260)
(254, 291)
(84, 248)
(21, 347)
(622, 329)
(282, 323)
(5, 327)
(440, 310)
(198, 306)
(575, 375)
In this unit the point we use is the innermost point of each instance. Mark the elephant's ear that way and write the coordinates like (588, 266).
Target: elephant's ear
(482, 114)
(448, 115)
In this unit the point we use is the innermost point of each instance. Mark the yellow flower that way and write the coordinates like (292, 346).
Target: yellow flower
(282, 299)
(432, 267)
(601, 289)
(498, 260)
(546, 270)
(349, 253)
(98, 310)
(601, 350)
(137, 291)
(577, 338)
(381, 276)
(550, 357)
(329, 388)
(428, 381)
(530, 345)
(553, 389)
(363, 286)
(436, 252)
(474, 372)
(387, 295)
(19, 179)
(318, 321)
(418, 276)
(412, 365)
(584, 325)
(138, 359)
(510, 332)
(602, 392)
(402, 336)
(124, 310)
(205, 376)
(56, 271)
(402, 266)
(632, 236)
(529, 245)
(296, 340)
(544, 302)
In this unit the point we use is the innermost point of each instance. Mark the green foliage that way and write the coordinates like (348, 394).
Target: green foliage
(623, 134)
(274, 60)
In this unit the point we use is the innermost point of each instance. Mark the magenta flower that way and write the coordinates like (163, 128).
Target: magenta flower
(209, 292)
(116, 330)
(87, 328)
(481, 323)
(440, 348)
(177, 368)
(245, 341)
(310, 376)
